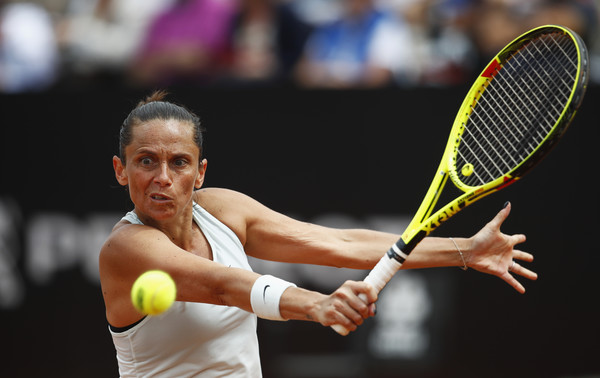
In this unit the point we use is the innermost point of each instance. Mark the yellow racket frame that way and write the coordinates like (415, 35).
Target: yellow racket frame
(423, 223)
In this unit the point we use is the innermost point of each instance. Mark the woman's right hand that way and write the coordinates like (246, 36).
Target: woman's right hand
(345, 307)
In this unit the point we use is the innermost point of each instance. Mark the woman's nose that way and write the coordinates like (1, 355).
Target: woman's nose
(163, 176)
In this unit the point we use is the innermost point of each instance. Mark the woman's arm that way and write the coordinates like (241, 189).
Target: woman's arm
(133, 249)
(269, 235)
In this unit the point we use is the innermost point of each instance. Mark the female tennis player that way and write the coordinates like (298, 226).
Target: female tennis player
(202, 237)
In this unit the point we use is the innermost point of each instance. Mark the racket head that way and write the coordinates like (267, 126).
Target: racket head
(518, 108)
(569, 77)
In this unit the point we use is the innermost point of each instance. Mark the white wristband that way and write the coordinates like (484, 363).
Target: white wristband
(265, 296)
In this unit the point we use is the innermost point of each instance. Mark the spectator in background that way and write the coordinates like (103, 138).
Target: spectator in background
(579, 15)
(454, 39)
(185, 43)
(365, 48)
(99, 37)
(443, 49)
(497, 22)
(266, 41)
(28, 50)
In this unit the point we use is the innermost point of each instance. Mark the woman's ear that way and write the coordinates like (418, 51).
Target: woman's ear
(120, 173)
(201, 174)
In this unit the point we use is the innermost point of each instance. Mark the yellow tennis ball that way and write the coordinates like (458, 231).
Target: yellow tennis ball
(153, 292)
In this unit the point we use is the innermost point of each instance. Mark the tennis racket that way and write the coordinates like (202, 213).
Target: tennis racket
(515, 112)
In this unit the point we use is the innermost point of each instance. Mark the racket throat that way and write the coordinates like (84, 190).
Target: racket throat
(401, 250)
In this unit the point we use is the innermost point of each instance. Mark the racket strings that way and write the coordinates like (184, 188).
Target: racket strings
(518, 107)
(534, 88)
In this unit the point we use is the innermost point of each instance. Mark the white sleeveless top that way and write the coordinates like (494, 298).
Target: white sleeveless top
(194, 339)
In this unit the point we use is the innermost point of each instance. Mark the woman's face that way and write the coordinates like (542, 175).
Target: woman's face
(162, 168)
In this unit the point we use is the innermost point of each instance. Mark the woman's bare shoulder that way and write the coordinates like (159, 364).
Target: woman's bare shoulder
(223, 201)
(127, 239)
(234, 209)
(214, 193)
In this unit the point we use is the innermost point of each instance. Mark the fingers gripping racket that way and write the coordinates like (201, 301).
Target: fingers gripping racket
(515, 112)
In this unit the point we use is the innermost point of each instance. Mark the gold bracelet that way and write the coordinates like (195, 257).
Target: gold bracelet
(464, 267)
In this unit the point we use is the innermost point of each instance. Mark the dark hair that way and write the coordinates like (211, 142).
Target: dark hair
(155, 107)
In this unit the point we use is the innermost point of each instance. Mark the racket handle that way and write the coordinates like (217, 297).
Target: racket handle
(381, 274)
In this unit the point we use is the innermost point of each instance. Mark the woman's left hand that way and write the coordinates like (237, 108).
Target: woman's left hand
(494, 253)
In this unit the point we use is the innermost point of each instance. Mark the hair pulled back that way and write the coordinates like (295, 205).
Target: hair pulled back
(155, 107)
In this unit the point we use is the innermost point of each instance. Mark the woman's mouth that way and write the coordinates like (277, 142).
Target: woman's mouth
(159, 197)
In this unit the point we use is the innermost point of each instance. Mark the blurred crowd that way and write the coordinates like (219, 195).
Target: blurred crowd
(306, 43)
